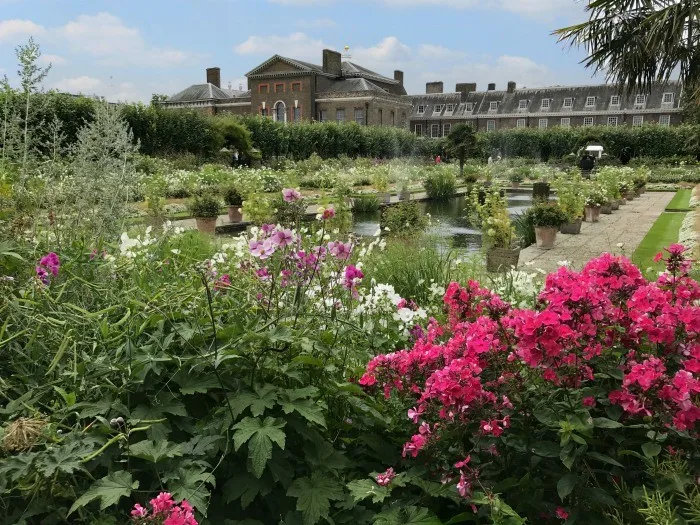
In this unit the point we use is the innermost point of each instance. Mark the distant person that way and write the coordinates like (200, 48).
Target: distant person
(438, 160)
(586, 164)
(490, 161)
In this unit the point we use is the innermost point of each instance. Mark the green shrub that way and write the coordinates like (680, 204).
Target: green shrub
(205, 206)
(365, 203)
(440, 184)
(232, 196)
(524, 229)
(547, 215)
(404, 219)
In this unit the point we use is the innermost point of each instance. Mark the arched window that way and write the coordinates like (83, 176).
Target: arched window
(280, 112)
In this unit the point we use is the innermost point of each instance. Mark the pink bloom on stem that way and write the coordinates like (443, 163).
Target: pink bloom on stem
(561, 513)
(353, 275)
(589, 401)
(340, 249)
(328, 213)
(138, 511)
(463, 463)
(162, 503)
(223, 282)
(42, 274)
(385, 478)
(290, 195)
(51, 262)
(282, 238)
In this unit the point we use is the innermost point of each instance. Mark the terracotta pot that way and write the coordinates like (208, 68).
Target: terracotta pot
(572, 228)
(592, 213)
(405, 195)
(234, 213)
(621, 201)
(206, 224)
(545, 236)
(629, 196)
(515, 184)
(615, 204)
(606, 209)
(637, 192)
(502, 259)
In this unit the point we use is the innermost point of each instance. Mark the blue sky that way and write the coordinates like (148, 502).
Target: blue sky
(127, 49)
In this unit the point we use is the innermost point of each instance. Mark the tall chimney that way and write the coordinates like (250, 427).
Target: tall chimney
(492, 87)
(214, 76)
(464, 89)
(433, 87)
(332, 62)
(398, 76)
(511, 87)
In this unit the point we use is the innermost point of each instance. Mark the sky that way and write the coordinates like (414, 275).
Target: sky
(126, 50)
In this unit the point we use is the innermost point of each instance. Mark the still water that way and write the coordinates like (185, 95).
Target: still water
(449, 225)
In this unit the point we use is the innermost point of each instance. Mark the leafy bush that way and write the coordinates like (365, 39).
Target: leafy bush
(404, 219)
(571, 194)
(232, 196)
(440, 184)
(547, 215)
(524, 229)
(365, 203)
(205, 206)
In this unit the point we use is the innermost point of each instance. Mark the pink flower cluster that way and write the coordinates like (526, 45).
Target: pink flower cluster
(385, 478)
(461, 376)
(164, 511)
(48, 264)
(290, 195)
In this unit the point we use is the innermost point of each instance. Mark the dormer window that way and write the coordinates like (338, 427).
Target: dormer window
(590, 102)
(421, 110)
(469, 107)
(667, 99)
(546, 103)
(615, 100)
(522, 104)
(640, 100)
(568, 103)
(438, 108)
(450, 108)
(493, 105)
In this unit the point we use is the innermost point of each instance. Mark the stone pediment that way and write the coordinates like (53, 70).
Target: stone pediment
(279, 64)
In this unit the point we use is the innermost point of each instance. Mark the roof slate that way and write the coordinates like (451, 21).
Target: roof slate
(352, 85)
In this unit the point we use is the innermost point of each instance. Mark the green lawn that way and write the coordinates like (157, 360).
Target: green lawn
(662, 233)
(680, 201)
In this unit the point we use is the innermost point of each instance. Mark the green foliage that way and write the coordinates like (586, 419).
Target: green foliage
(314, 495)
(232, 134)
(109, 490)
(205, 206)
(258, 209)
(462, 143)
(404, 219)
(232, 196)
(365, 203)
(547, 215)
(571, 194)
(440, 183)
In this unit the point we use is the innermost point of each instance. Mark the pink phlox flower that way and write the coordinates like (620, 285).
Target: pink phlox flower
(138, 511)
(290, 195)
(327, 214)
(282, 238)
(385, 478)
(339, 249)
(162, 503)
(562, 514)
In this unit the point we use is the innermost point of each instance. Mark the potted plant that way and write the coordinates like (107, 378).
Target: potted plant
(571, 195)
(609, 179)
(541, 189)
(404, 193)
(498, 234)
(594, 200)
(234, 201)
(515, 177)
(381, 184)
(205, 210)
(258, 209)
(547, 217)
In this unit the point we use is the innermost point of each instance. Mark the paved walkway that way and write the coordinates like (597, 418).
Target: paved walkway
(626, 226)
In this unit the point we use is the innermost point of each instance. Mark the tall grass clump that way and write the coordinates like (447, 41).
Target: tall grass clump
(365, 203)
(440, 184)
(524, 229)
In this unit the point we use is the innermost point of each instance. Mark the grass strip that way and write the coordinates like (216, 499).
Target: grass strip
(681, 201)
(663, 233)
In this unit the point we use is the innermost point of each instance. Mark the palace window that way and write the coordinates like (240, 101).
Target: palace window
(520, 123)
(490, 125)
(588, 121)
(421, 110)
(612, 121)
(323, 115)
(522, 104)
(340, 116)
(565, 122)
(590, 102)
(667, 98)
(280, 112)
(615, 100)
(296, 86)
(469, 107)
(381, 117)
(263, 88)
(450, 109)
(446, 129)
(543, 123)
(297, 114)
(418, 129)
(640, 100)
(360, 116)
(438, 108)
(568, 103)
(435, 131)
(493, 105)
(546, 103)
(637, 120)
(279, 88)
(263, 112)
(665, 120)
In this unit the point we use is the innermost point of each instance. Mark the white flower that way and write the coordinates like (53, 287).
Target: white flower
(175, 251)
(564, 263)
(620, 244)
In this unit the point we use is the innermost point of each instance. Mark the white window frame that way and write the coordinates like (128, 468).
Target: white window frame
(565, 122)
(469, 106)
(612, 121)
(615, 100)
(449, 108)
(355, 115)
(543, 123)
(323, 115)
(490, 125)
(665, 120)
(418, 130)
(637, 121)
(275, 112)
(338, 113)
(421, 109)
(446, 128)
(668, 103)
(568, 103)
(523, 103)
(590, 104)
(546, 103)
(493, 105)
(438, 108)
(640, 101)
(521, 123)
(435, 131)
(587, 121)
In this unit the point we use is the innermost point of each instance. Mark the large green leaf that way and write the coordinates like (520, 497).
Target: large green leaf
(191, 483)
(245, 487)
(547, 449)
(262, 399)
(367, 488)
(259, 435)
(155, 451)
(310, 410)
(566, 485)
(407, 516)
(109, 490)
(314, 496)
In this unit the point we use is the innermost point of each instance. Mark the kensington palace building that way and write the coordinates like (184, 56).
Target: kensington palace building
(289, 90)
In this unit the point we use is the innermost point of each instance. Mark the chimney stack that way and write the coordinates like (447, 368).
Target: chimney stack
(511, 87)
(398, 76)
(464, 89)
(332, 62)
(492, 87)
(214, 76)
(433, 87)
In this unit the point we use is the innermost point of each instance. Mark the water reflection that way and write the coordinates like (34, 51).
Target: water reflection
(450, 227)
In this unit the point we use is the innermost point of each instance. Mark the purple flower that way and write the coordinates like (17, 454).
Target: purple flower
(353, 275)
(43, 275)
(51, 262)
(282, 238)
(340, 249)
(290, 195)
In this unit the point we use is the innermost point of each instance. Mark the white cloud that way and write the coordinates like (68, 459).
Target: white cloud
(112, 42)
(535, 7)
(54, 60)
(16, 29)
(296, 45)
(317, 23)
(390, 49)
(439, 52)
(84, 84)
(113, 91)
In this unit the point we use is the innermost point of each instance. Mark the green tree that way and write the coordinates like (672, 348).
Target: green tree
(639, 42)
(232, 134)
(461, 142)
